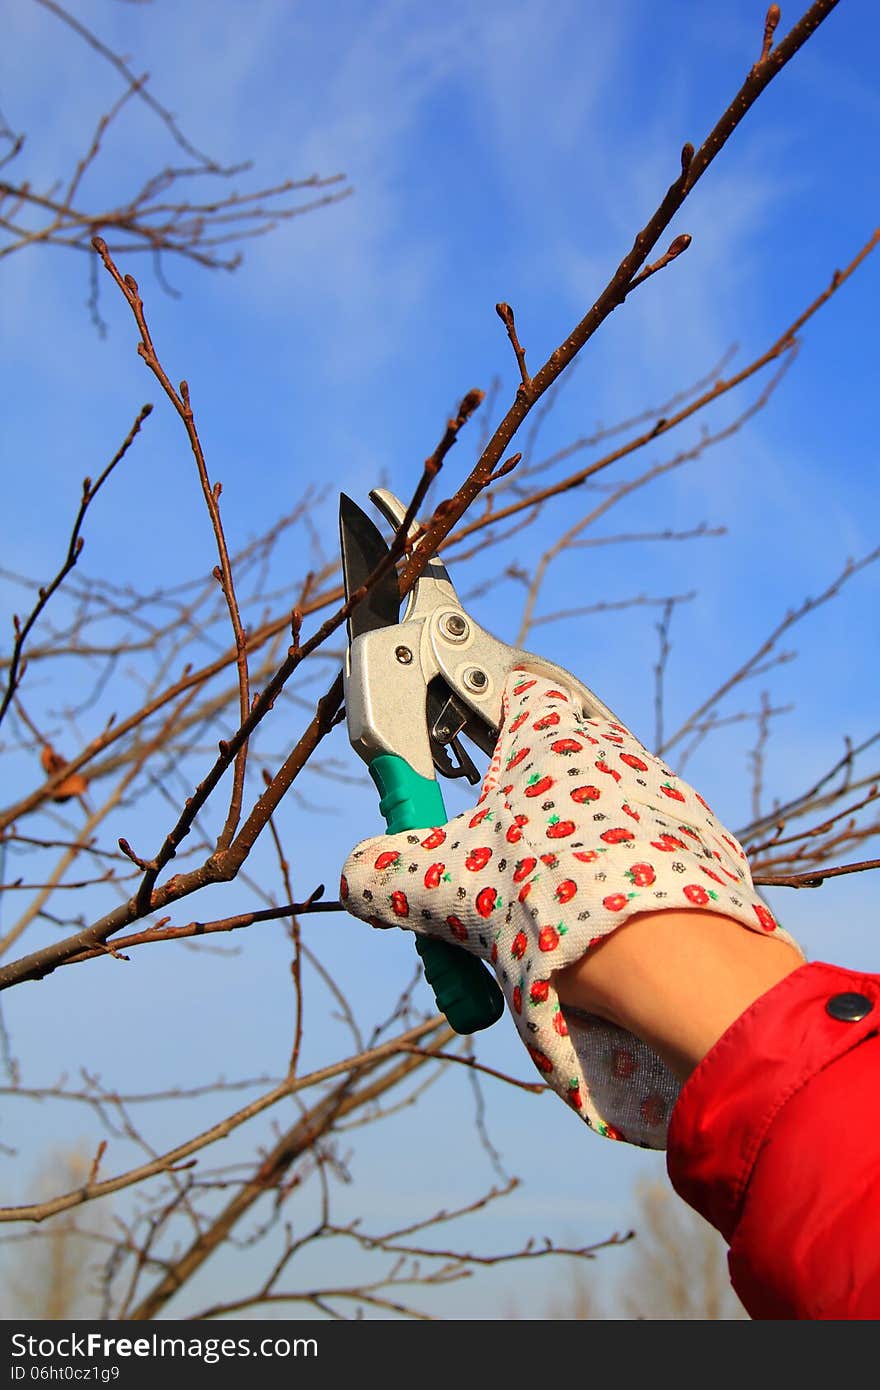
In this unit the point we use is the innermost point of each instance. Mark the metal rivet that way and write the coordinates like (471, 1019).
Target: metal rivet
(403, 654)
(454, 626)
(475, 679)
(849, 1008)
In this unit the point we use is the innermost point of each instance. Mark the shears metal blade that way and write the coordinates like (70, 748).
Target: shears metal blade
(363, 550)
(413, 687)
(387, 705)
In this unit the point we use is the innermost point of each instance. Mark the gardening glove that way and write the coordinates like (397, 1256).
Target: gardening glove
(577, 828)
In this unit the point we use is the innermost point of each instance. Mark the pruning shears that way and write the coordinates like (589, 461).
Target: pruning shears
(414, 685)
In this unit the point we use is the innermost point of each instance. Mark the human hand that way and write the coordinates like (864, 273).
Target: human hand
(578, 828)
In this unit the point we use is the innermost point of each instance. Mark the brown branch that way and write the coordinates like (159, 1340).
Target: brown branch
(774, 14)
(748, 667)
(713, 724)
(181, 403)
(194, 230)
(227, 859)
(660, 669)
(814, 796)
(299, 1138)
(357, 1065)
(197, 929)
(296, 963)
(266, 631)
(18, 885)
(100, 1100)
(35, 907)
(758, 753)
(218, 868)
(626, 537)
(80, 845)
(74, 549)
(778, 839)
(675, 249)
(610, 606)
(536, 1087)
(526, 1252)
(603, 432)
(364, 1295)
(573, 534)
(694, 165)
(223, 865)
(133, 82)
(505, 313)
(662, 425)
(813, 879)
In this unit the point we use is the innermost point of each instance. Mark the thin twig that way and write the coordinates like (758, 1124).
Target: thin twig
(74, 549)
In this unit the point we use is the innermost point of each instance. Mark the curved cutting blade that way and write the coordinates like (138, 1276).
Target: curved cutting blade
(363, 549)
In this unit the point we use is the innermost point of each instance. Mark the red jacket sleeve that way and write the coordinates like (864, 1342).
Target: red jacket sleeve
(775, 1140)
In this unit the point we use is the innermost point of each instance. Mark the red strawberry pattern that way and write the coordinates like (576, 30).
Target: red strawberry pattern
(587, 828)
(582, 794)
(765, 917)
(524, 867)
(617, 835)
(516, 758)
(538, 786)
(519, 946)
(549, 937)
(632, 761)
(641, 875)
(457, 927)
(540, 1059)
(386, 859)
(698, 895)
(653, 1110)
(673, 792)
(623, 1062)
(486, 902)
(548, 721)
(434, 875)
(615, 902)
(566, 746)
(557, 829)
(667, 843)
(478, 859)
(514, 831)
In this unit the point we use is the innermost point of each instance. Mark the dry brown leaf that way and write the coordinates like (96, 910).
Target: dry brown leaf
(52, 762)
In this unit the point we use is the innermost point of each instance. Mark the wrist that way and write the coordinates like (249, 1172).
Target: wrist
(677, 979)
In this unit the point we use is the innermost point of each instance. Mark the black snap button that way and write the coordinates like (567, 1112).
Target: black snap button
(849, 1008)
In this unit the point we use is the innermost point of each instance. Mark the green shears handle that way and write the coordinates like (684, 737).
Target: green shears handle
(464, 989)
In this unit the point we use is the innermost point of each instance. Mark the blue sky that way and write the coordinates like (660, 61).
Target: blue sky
(496, 151)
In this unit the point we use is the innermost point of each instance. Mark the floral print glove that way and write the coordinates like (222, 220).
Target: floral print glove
(577, 828)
